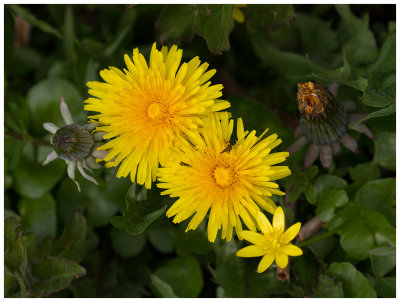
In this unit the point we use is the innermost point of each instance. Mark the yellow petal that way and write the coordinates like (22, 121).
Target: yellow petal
(278, 221)
(264, 223)
(282, 260)
(291, 233)
(251, 251)
(265, 263)
(291, 250)
(240, 129)
(253, 237)
(238, 15)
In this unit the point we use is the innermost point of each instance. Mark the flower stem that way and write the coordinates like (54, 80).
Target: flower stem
(316, 238)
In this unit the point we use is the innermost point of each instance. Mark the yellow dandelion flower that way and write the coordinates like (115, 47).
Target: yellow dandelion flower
(231, 180)
(238, 15)
(273, 244)
(147, 107)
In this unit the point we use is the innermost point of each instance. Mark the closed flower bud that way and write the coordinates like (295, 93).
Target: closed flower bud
(322, 121)
(72, 142)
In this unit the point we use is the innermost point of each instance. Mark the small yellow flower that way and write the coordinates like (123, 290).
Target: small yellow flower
(147, 107)
(238, 15)
(232, 181)
(273, 244)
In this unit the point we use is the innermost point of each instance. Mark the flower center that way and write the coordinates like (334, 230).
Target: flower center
(273, 242)
(223, 176)
(154, 111)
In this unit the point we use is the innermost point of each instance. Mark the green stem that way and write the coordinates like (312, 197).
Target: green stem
(316, 238)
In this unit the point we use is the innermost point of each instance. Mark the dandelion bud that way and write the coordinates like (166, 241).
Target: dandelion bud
(72, 142)
(322, 121)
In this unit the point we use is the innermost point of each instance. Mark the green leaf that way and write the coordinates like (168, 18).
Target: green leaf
(32, 180)
(296, 192)
(386, 60)
(44, 103)
(365, 172)
(386, 287)
(379, 195)
(15, 258)
(21, 61)
(160, 237)
(385, 150)
(38, 216)
(10, 282)
(31, 19)
(162, 287)
(141, 210)
(229, 271)
(216, 27)
(11, 228)
(310, 193)
(381, 90)
(126, 245)
(360, 44)
(383, 251)
(390, 109)
(54, 274)
(177, 271)
(381, 265)
(265, 285)
(340, 74)
(328, 182)
(355, 285)
(176, 22)
(72, 243)
(328, 201)
(203, 9)
(328, 288)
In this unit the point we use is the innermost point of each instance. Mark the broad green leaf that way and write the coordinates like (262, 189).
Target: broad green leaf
(216, 27)
(385, 150)
(127, 245)
(178, 271)
(162, 287)
(383, 251)
(176, 22)
(322, 248)
(310, 193)
(23, 293)
(386, 287)
(328, 201)
(160, 237)
(381, 90)
(265, 285)
(54, 274)
(340, 74)
(141, 210)
(328, 182)
(32, 180)
(72, 243)
(360, 44)
(381, 265)
(203, 9)
(365, 172)
(379, 195)
(390, 109)
(229, 271)
(386, 60)
(39, 216)
(15, 256)
(328, 288)
(357, 239)
(355, 285)
(296, 192)
(31, 19)
(44, 103)
(11, 228)
(10, 282)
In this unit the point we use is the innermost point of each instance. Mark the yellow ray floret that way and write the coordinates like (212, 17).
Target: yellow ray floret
(273, 243)
(145, 108)
(230, 181)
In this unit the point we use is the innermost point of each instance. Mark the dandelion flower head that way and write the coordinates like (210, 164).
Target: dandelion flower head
(145, 108)
(273, 243)
(232, 181)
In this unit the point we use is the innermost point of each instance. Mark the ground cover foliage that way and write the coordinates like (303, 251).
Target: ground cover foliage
(113, 240)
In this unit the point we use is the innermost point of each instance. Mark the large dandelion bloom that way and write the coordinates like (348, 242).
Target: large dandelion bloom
(146, 108)
(231, 180)
(273, 243)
